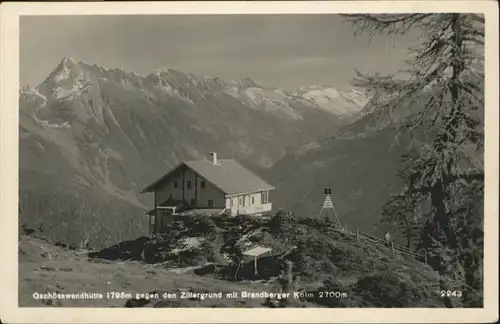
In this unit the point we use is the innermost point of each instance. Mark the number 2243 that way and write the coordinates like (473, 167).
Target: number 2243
(451, 293)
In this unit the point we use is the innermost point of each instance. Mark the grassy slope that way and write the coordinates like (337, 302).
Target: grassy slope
(61, 212)
(68, 272)
(324, 259)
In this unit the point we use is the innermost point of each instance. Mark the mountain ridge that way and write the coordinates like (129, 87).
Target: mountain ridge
(109, 132)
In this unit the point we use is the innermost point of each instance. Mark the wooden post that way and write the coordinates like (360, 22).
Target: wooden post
(256, 272)
(357, 234)
(195, 191)
(287, 283)
(157, 220)
(238, 269)
(155, 214)
(392, 247)
(183, 184)
(425, 256)
(150, 228)
(289, 274)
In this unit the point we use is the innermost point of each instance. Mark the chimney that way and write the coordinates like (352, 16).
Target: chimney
(214, 157)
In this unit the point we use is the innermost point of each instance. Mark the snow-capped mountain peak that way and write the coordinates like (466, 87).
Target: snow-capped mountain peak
(71, 78)
(342, 103)
(245, 83)
(164, 70)
(65, 69)
(68, 78)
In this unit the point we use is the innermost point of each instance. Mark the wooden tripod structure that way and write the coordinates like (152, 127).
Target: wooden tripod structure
(328, 209)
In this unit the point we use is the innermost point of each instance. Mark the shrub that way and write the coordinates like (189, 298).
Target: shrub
(387, 289)
(282, 222)
(207, 226)
(212, 251)
(243, 219)
(193, 257)
(333, 285)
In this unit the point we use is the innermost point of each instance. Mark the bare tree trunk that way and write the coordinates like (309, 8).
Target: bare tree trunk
(408, 234)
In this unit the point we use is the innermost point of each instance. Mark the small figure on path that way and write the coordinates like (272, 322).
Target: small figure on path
(388, 238)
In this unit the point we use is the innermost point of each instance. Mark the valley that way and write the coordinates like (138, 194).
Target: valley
(107, 133)
(91, 139)
(206, 177)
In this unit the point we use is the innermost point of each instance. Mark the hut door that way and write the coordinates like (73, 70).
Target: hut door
(166, 218)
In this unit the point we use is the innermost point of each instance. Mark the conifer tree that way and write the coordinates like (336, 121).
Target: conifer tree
(440, 95)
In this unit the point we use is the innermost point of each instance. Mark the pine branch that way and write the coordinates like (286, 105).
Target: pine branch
(396, 24)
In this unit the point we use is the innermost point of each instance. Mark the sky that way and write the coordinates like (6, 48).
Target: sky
(276, 50)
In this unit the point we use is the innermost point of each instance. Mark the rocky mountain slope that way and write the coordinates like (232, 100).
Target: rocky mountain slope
(346, 105)
(360, 162)
(88, 132)
(361, 170)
